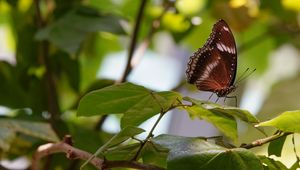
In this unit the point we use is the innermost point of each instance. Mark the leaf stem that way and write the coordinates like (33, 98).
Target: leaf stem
(148, 137)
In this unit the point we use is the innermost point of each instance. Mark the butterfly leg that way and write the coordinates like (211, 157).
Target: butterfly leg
(217, 100)
(210, 96)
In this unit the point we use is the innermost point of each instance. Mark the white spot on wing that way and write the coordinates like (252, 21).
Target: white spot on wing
(223, 47)
(219, 46)
(209, 69)
(225, 28)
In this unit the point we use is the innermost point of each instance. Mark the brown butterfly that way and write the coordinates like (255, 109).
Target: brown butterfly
(213, 66)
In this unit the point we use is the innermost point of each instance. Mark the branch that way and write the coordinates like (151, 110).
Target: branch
(71, 152)
(50, 86)
(134, 40)
(266, 140)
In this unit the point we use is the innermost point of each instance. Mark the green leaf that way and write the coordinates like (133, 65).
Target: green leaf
(9, 128)
(275, 147)
(113, 99)
(154, 154)
(71, 29)
(223, 121)
(154, 103)
(271, 164)
(126, 152)
(136, 102)
(198, 154)
(242, 114)
(125, 134)
(288, 121)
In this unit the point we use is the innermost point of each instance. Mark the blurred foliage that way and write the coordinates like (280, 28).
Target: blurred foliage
(58, 52)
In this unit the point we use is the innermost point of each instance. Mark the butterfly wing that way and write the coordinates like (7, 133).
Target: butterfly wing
(213, 66)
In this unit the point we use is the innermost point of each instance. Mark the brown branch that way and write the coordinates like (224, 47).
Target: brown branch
(75, 153)
(263, 141)
(133, 41)
(43, 49)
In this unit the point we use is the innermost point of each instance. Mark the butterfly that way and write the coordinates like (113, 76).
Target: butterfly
(213, 66)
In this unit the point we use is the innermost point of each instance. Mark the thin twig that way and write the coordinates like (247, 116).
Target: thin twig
(263, 141)
(148, 137)
(133, 41)
(75, 153)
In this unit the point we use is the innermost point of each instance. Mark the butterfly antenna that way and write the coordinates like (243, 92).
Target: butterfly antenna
(243, 74)
(244, 77)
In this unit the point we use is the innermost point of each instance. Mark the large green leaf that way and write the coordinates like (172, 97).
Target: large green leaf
(9, 128)
(70, 30)
(199, 154)
(154, 154)
(121, 152)
(113, 99)
(136, 102)
(288, 121)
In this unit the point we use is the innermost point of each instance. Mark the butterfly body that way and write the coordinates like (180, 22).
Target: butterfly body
(213, 66)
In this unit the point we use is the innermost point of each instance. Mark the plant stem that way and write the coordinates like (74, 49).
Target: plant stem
(50, 86)
(49, 83)
(149, 136)
(263, 141)
(133, 41)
